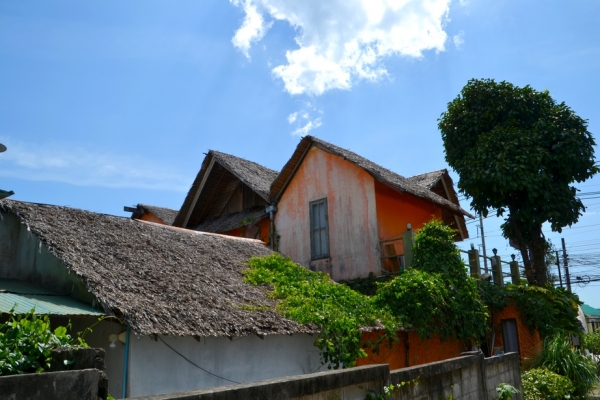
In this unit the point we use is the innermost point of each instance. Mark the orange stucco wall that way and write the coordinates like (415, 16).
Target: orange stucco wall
(259, 231)
(395, 210)
(151, 218)
(420, 351)
(350, 193)
(529, 342)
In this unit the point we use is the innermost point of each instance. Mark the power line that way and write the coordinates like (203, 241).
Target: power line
(193, 363)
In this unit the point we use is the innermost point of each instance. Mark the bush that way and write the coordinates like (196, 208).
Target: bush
(541, 383)
(591, 341)
(560, 357)
(26, 342)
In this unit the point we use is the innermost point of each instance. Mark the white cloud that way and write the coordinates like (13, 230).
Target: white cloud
(293, 117)
(309, 126)
(341, 41)
(459, 39)
(253, 28)
(81, 167)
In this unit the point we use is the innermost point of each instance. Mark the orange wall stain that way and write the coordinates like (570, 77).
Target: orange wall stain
(530, 342)
(259, 231)
(395, 210)
(353, 241)
(420, 351)
(152, 218)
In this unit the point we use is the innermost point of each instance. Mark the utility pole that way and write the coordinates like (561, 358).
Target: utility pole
(566, 264)
(483, 245)
(558, 267)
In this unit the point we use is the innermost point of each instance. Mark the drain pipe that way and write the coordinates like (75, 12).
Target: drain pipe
(272, 209)
(125, 364)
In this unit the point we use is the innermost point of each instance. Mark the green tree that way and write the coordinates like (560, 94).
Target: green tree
(517, 150)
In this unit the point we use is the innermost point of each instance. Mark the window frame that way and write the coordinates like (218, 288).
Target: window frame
(325, 229)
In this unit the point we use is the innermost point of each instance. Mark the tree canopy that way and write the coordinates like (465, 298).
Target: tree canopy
(517, 150)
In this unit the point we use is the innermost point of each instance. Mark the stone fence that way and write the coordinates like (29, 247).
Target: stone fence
(470, 376)
(82, 377)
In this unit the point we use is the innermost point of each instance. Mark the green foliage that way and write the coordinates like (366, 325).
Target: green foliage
(561, 358)
(26, 342)
(550, 310)
(591, 342)
(403, 387)
(418, 299)
(541, 383)
(505, 391)
(311, 297)
(518, 150)
(368, 285)
(435, 297)
(464, 314)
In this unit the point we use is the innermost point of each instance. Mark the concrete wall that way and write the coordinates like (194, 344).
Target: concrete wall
(24, 257)
(462, 378)
(154, 368)
(350, 193)
(502, 370)
(81, 385)
(98, 338)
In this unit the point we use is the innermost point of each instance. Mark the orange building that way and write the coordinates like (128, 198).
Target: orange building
(344, 215)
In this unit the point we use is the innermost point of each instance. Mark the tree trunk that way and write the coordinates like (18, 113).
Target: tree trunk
(534, 254)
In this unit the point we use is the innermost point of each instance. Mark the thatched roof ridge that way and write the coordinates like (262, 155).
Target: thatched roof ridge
(167, 215)
(378, 172)
(158, 279)
(255, 176)
(233, 221)
(428, 179)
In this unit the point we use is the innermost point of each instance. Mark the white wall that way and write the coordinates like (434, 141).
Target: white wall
(156, 369)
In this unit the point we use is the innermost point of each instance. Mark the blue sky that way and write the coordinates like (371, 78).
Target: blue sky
(107, 103)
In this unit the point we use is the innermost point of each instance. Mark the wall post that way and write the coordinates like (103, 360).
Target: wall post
(497, 269)
(514, 271)
(474, 264)
(408, 239)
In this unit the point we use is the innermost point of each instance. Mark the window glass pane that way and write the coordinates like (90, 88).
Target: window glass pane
(322, 215)
(315, 216)
(324, 242)
(317, 243)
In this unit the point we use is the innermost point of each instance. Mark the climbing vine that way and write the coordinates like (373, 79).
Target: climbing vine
(434, 297)
(313, 298)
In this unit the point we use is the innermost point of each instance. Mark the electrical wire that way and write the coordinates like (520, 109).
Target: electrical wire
(193, 363)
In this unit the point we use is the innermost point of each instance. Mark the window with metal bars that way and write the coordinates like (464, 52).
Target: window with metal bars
(319, 229)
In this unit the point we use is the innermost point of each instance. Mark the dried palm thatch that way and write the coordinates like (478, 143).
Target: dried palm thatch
(379, 173)
(219, 173)
(158, 279)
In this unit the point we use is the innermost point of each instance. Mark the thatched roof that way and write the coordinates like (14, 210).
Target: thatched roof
(166, 215)
(441, 184)
(217, 177)
(379, 173)
(158, 279)
(233, 221)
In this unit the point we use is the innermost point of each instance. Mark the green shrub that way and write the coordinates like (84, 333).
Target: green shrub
(541, 383)
(26, 342)
(560, 357)
(591, 341)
